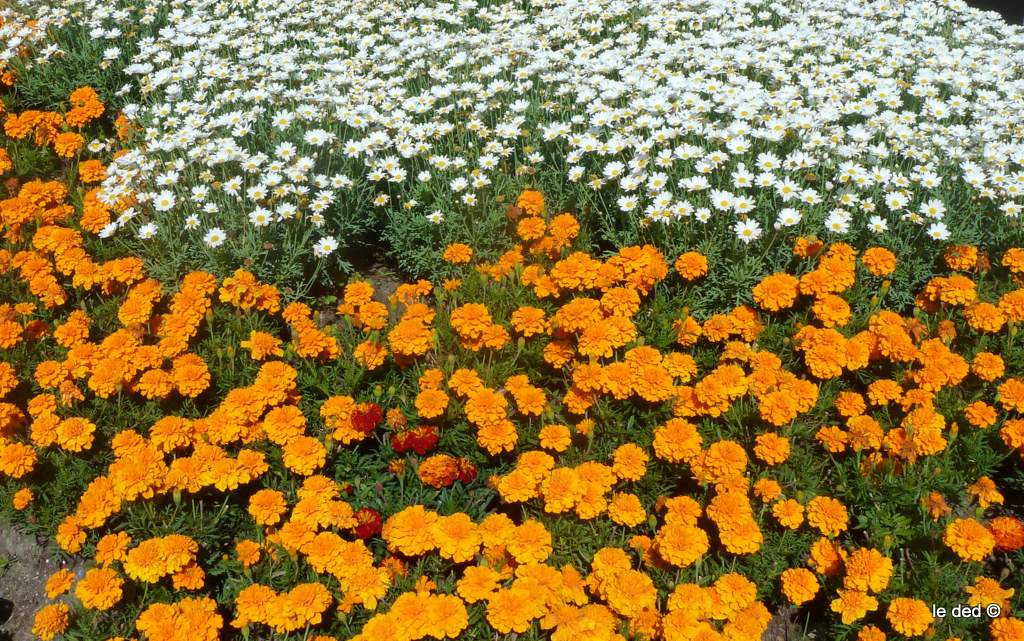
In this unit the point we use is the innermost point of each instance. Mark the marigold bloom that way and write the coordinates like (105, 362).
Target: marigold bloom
(853, 605)
(22, 499)
(262, 344)
(59, 583)
(799, 585)
(248, 552)
(304, 455)
(772, 448)
(987, 366)
(826, 556)
(457, 253)
(909, 617)
(410, 531)
(67, 144)
(99, 589)
(1006, 629)
(625, 509)
(691, 265)
(556, 438)
(531, 202)
(681, 544)
(457, 537)
(867, 570)
(531, 542)
(985, 491)
(629, 462)
(266, 506)
(51, 621)
(969, 539)
(1008, 532)
(827, 514)
(16, 459)
(879, 261)
(776, 292)
(986, 591)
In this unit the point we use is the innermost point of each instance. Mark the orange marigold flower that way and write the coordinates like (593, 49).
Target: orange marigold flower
(1006, 629)
(457, 253)
(833, 438)
(1008, 532)
(767, 490)
(67, 144)
(988, 366)
(789, 513)
(70, 535)
(112, 547)
(629, 462)
(879, 261)
(884, 391)
(304, 455)
(51, 621)
(478, 583)
(190, 374)
(985, 491)
(531, 228)
(556, 438)
(681, 544)
(457, 537)
(431, 403)
(531, 542)
(827, 515)
(92, 171)
(262, 344)
(980, 414)
(267, 506)
(772, 448)
(100, 589)
(410, 531)
(961, 257)
(248, 552)
(1013, 259)
(531, 202)
(799, 585)
(853, 605)
(936, 505)
(969, 539)
(16, 459)
(872, 633)
(1011, 394)
(826, 556)
(867, 570)
(75, 434)
(850, 404)
(692, 265)
(625, 509)
(986, 591)
(22, 499)
(776, 292)
(831, 310)
(59, 583)
(909, 617)
(985, 317)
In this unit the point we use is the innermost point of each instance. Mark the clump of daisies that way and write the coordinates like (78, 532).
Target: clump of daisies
(798, 116)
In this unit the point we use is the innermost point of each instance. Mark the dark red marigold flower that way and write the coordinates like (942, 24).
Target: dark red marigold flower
(366, 417)
(368, 521)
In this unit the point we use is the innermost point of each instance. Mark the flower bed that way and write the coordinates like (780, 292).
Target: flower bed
(580, 425)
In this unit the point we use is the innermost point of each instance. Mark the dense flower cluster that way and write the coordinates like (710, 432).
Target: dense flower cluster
(551, 442)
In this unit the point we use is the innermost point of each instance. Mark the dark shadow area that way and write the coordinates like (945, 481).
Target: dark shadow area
(6, 610)
(1011, 10)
